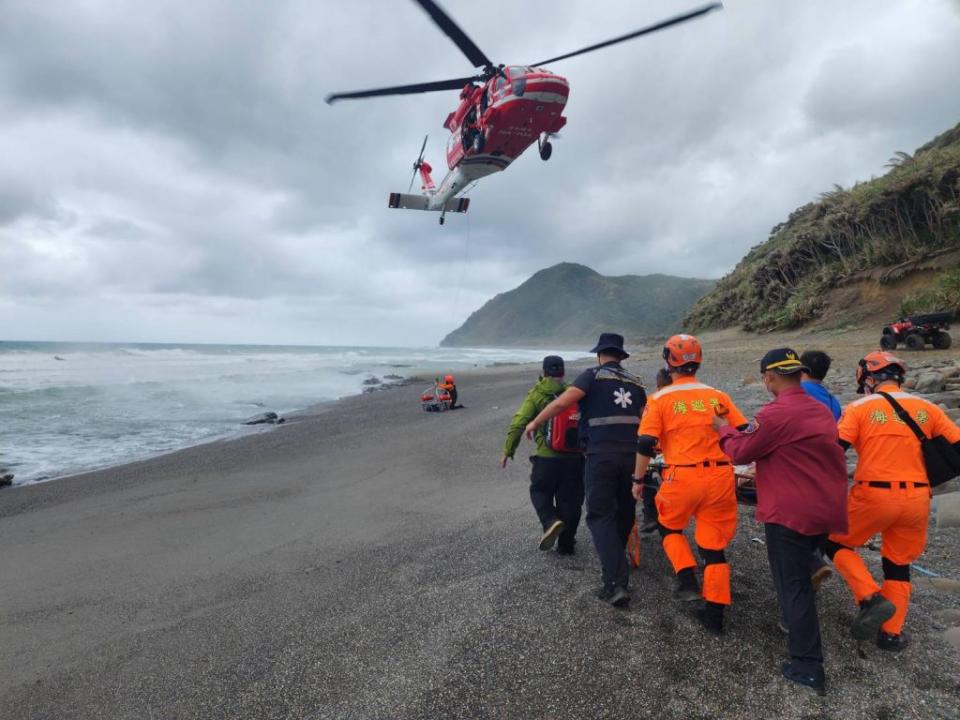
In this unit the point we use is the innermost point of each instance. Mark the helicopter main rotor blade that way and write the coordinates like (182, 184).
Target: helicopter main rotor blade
(453, 31)
(454, 84)
(652, 28)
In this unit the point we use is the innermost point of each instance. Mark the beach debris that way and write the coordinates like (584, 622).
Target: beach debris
(267, 418)
(759, 541)
(923, 571)
(6, 477)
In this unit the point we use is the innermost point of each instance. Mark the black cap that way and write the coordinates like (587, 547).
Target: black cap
(610, 341)
(553, 366)
(782, 361)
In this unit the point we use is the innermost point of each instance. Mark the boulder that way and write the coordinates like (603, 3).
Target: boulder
(930, 382)
(948, 510)
(945, 399)
(952, 371)
(267, 418)
(910, 383)
(6, 477)
(953, 637)
(951, 486)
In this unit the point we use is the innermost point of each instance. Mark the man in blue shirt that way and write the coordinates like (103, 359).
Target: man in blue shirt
(818, 363)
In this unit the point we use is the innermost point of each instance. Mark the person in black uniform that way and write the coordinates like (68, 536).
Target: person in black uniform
(611, 400)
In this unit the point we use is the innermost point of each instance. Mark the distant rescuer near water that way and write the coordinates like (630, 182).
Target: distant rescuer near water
(611, 400)
(556, 480)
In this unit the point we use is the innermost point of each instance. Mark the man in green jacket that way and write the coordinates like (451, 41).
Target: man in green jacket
(556, 481)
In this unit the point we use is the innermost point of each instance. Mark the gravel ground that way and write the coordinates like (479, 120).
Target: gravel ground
(367, 560)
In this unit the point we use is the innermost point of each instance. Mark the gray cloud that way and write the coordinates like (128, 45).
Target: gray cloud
(173, 170)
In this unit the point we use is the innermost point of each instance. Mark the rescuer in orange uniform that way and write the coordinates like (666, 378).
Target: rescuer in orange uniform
(698, 477)
(890, 496)
(450, 385)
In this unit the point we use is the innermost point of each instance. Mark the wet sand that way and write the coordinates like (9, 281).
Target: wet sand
(368, 560)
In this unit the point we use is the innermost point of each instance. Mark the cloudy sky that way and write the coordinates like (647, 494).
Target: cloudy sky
(170, 172)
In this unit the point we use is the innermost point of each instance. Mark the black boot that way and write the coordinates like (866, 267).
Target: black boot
(892, 643)
(687, 588)
(711, 617)
(874, 612)
(814, 680)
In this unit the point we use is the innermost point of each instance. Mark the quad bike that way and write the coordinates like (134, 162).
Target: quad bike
(916, 331)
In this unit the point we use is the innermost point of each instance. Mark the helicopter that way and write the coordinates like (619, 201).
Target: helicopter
(503, 110)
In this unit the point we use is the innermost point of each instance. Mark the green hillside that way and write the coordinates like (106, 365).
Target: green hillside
(883, 230)
(570, 304)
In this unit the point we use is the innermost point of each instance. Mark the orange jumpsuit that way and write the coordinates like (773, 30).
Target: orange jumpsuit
(698, 481)
(890, 495)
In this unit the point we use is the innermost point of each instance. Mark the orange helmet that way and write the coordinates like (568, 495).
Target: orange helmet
(880, 363)
(682, 350)
(448, 379)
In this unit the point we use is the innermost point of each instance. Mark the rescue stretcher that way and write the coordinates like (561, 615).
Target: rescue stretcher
(435, 399)
(746, 477)
(746, 491)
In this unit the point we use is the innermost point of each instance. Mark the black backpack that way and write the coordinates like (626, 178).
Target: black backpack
(940, 457)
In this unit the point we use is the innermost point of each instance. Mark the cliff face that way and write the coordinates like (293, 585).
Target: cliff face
(904, 222)
(570, 304)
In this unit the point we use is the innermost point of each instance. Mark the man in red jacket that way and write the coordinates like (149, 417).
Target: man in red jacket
(801, 497)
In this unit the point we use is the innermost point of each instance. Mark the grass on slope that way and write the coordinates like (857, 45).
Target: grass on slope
(909, 214)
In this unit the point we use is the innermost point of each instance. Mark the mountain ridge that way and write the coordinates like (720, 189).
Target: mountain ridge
(569, 303)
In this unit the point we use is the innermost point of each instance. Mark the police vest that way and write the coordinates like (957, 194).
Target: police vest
(610, 411)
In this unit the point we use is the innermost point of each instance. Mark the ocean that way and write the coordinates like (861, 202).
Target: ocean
(71, 407)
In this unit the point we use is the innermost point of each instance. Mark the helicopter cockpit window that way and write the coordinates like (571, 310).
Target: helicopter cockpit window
(500, 83)
(515, 71)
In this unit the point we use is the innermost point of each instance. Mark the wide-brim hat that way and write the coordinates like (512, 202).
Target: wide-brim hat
(610, 341)
(783, 361)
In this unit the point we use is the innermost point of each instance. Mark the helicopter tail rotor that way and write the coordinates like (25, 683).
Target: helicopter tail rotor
(419, 163)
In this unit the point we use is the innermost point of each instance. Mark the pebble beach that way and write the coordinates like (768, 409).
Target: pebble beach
(369, 560)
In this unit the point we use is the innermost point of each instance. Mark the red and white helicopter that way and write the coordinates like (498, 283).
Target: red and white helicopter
(502, 111)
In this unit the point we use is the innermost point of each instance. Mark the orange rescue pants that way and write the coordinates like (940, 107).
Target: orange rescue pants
(707, 495)
(900, 515)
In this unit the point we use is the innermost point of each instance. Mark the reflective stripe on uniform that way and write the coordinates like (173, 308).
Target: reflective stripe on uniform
(614, 420)
(681, 386)
(894, 395)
